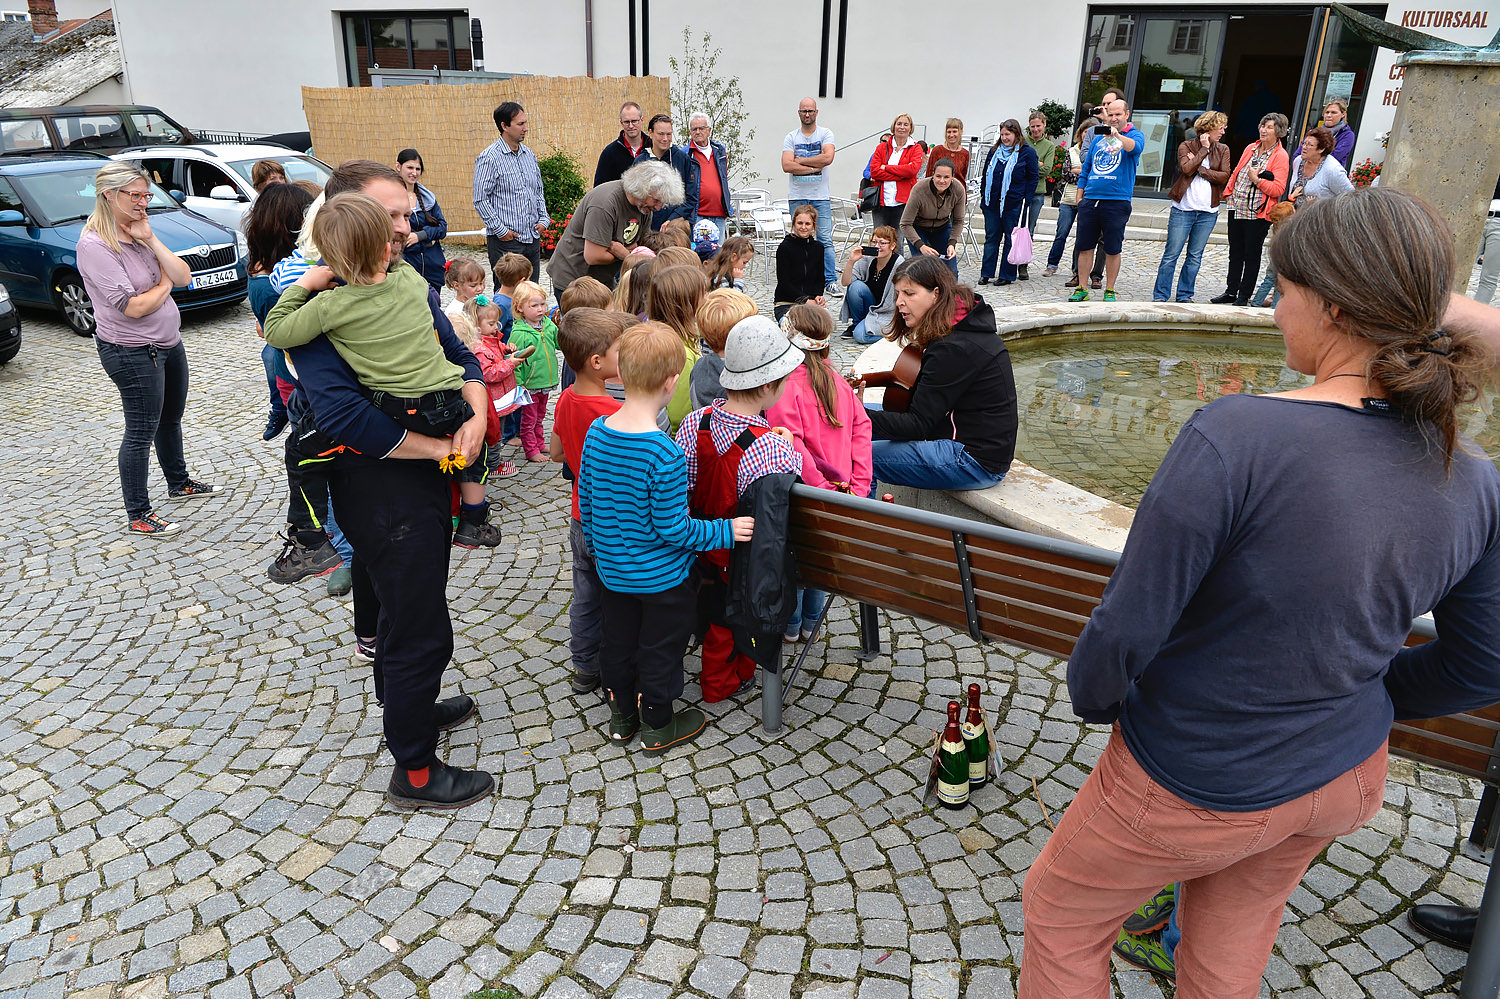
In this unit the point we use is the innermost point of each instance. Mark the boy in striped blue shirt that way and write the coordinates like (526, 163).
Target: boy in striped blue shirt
(633, 500)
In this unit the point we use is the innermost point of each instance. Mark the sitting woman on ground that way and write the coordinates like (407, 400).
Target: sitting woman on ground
(1067, 199)
(895, 166)
(799, 263)
(1315, 173)
(959, 431)
(933, 222)
(1009, 177)
(1258, 182)
(1249, 650)
(953, 150)
(424, 247)
(870, 302)
(271, 228)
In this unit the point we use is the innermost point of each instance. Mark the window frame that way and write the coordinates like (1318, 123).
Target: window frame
(352, 70)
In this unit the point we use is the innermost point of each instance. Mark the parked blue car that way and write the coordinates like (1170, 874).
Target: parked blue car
(44, 201)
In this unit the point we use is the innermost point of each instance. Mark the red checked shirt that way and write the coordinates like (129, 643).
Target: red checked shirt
(768, 455)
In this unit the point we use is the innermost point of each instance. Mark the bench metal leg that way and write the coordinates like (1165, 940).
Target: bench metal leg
(1486, 829)
(869, 632)
(1482, 975)
(770, 699)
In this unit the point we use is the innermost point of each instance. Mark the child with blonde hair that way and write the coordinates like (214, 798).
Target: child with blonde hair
(478, 325)
(538, 374)
(720, 310)
(676, 292)
(466, 279)
(829, 426)
(379, 323)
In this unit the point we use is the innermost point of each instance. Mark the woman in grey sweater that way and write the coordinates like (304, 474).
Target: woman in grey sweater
(1315, 173)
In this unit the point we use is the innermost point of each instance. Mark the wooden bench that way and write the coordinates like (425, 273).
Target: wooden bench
(1037, 593)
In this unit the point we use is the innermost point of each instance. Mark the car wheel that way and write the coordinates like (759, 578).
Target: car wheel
(73, 302)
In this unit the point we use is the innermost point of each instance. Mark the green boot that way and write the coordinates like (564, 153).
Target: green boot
(1146, 952)
(684, 727)
(622, 726)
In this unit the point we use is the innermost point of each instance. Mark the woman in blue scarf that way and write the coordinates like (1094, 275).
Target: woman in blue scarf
(1009, 175)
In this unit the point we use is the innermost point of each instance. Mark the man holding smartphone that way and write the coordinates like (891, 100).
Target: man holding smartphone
(1096, 276)
(1104, 192)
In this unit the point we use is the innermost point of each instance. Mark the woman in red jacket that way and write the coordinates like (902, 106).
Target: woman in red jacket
(1253, 190)
(895, 167)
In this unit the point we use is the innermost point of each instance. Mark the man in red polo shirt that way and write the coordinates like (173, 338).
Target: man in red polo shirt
(714, 202)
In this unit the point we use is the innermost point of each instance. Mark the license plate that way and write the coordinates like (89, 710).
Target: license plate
(214, 278)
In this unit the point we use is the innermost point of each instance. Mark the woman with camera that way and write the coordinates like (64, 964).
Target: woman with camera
(870, 302)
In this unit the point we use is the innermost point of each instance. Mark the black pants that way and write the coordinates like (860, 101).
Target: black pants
(396, 516)
(889, 215)
(532, 251)
(153, 384)
(1096, 272)
(643, 638)
(1246, 237)
(310, 454)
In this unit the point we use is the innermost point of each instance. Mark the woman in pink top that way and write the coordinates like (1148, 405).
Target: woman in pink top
(830, 428)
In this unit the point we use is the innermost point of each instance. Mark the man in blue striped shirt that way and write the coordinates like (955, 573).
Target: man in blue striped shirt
(633, 498)
(508, 191)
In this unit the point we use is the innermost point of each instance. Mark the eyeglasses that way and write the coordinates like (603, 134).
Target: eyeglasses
(630, 121)
(881, 242)
(136, 196)
(807, 110)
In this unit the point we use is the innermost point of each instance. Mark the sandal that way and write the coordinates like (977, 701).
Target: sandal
(504, 470)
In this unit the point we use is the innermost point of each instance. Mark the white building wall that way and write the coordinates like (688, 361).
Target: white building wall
(241, 66)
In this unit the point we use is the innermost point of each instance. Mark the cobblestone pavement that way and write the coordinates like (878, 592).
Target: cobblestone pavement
(191, 777)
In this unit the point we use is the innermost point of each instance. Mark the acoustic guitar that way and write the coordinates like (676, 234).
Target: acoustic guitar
(899, 381)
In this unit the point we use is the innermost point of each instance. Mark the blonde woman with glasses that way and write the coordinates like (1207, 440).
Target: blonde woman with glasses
(129, 276)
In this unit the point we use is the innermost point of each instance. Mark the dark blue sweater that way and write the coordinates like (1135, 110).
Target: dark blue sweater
(1250, 641)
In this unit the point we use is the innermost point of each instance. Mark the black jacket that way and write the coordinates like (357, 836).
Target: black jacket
(965, 390)
(762, 590)
(799, 269)
(615, 159)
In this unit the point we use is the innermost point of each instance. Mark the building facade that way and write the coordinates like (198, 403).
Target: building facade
(240, 67)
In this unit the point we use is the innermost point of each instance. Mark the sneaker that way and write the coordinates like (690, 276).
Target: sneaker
(504, 470)
(1154, 914)
(296, 562)
(192, 488)
(485, 535)
(1080, 294)
(340, 581)
(275, 424)
(154, 526)
(364, 650)
(1224, 299)
(442, 787)
(1049, 272)
(451, 711)
(834, 290)
(583, 683)
(1109, 294)
(683, 728)
(623, 725)
(1146, 952)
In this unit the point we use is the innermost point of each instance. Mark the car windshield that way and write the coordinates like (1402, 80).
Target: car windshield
(68, 195)
(295, 166)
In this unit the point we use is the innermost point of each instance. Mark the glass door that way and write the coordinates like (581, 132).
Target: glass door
(1338, 66)
(1172, 75)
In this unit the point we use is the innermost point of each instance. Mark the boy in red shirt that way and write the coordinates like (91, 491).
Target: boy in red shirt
(589, 340)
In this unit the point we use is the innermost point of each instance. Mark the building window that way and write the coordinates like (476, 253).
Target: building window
(404, 40)
(1124, 32)
(14, 15)
(1187, 36)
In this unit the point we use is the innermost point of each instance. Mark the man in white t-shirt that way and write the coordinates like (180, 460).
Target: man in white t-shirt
(805, 157)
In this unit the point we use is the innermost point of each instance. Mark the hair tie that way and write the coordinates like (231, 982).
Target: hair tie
(481, 299)
(1436, 335)
(447, 264)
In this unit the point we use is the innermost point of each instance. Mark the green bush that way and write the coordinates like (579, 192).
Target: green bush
(1059, 117)
(562, 183)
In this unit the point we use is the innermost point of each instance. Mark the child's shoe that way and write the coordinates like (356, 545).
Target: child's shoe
(583, 683)
(481, 535)
(364, 650)
(298, 561)
(622, 725)
(683, 728)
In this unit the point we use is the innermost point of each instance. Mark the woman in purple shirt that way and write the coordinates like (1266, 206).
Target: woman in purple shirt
(129, 276)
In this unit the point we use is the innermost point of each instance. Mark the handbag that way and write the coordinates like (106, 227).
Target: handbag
(869, 195)
(1020, 244)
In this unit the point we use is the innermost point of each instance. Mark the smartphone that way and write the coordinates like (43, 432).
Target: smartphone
(869, 251)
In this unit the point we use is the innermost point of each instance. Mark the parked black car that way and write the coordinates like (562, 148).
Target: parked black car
(10, 327)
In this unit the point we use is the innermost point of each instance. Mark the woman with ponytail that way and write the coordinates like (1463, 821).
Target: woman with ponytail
(1249, 648)
(829, 428)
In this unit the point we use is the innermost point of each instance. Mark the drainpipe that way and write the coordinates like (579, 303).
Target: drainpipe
(588, 38)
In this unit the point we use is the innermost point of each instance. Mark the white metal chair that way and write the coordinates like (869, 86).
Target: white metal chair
(849, 226)
(770, 229)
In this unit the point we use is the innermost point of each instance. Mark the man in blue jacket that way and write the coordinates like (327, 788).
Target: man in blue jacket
(660, 147)
(394, 505)
(712, 161)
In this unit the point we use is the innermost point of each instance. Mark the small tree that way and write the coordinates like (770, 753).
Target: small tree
(695, 86)
(562, 182)
(1059, 116)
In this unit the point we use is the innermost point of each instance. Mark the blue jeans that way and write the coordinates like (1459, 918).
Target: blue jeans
(1172, 935)
(153, 384)
(1034, 206)
(1065, 216)
(929, 465)
(1190, 229)
(938, 240)
(1266, 287)
(268, 360)
(860, 300)
(997, 230)
(825, 235)
(809, 606)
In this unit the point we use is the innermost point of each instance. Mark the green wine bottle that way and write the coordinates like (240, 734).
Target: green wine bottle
(976, 740)
(953, 764)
